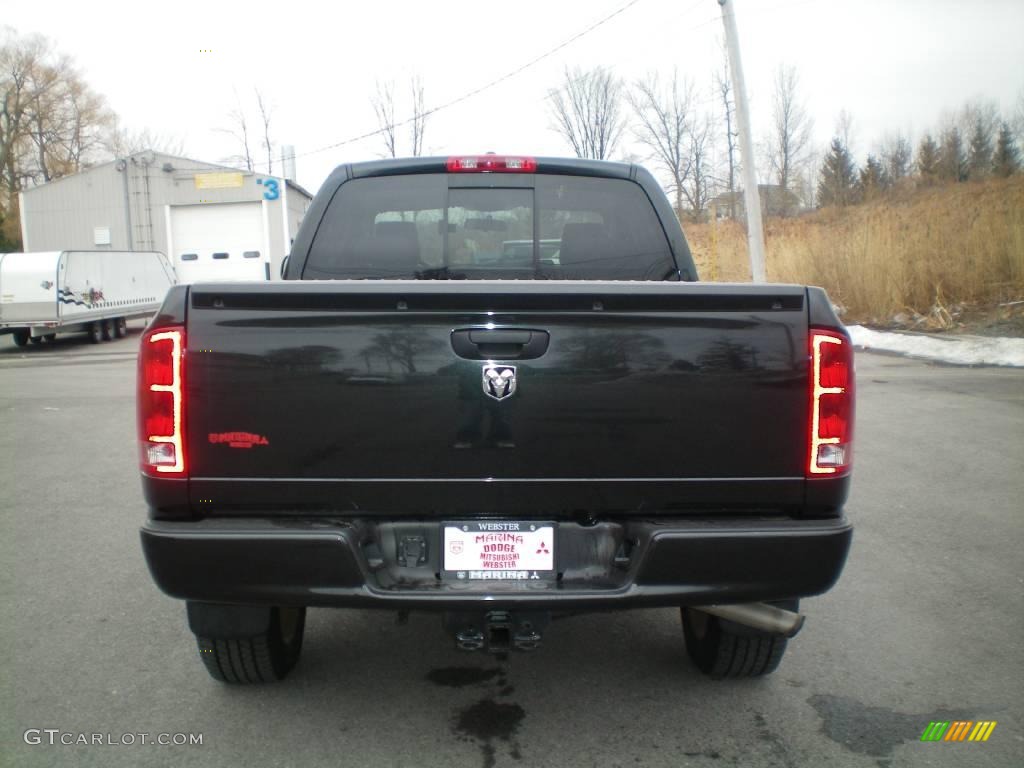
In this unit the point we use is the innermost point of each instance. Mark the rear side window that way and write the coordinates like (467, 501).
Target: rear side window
(562, 228)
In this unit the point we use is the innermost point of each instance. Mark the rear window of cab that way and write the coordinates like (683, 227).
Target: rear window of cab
(425, 227)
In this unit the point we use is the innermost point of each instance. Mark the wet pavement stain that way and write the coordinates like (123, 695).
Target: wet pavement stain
(460, 677)
(873, 731)
(488, 721)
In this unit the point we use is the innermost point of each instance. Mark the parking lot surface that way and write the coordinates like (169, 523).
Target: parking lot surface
(925, 624)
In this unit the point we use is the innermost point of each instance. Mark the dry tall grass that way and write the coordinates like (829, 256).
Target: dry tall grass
(913, 252)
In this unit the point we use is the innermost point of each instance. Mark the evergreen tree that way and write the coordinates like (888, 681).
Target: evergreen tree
(837, 178)
(873, 180)
(952, 160)
(1006, 160)
(928, 158)
(896, 160)
(979, 158)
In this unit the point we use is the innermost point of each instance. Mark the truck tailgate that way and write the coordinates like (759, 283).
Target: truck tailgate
(365, 396)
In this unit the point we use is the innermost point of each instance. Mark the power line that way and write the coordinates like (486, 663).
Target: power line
(536, 60)
(552, 91)
(486, 86)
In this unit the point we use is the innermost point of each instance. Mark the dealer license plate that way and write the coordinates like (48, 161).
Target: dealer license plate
(499, 551)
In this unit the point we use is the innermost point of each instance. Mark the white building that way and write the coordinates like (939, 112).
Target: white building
(214, 222)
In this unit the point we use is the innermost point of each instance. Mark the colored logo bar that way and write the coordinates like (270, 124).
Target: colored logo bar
(958, 730)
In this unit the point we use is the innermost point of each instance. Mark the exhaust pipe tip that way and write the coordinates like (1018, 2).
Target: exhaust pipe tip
(760, 616)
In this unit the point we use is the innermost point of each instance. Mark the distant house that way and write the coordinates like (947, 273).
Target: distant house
(775, 201)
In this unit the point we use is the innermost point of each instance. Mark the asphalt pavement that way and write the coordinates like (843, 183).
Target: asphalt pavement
(926, 623)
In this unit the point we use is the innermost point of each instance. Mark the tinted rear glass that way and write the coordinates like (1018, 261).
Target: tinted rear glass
(563, 228)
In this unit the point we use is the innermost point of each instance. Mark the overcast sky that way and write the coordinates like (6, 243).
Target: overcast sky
(893, 64)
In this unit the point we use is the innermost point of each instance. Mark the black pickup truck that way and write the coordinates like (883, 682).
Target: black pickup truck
(491, 387)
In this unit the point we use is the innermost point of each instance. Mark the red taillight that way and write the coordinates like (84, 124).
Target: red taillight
(161, 401)
(491, 164)
(831, 395)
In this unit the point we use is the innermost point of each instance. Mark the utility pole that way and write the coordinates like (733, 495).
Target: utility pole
(752, 200)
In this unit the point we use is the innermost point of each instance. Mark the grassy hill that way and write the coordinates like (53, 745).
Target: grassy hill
(921, 251)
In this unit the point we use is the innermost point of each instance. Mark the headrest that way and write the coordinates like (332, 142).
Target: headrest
(584, 243)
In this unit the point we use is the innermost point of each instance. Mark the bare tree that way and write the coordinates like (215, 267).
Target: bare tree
(66, 121)
(384, 107)
(87, 123)
(980, 115)
(663, 115)
(265, 115)
(18, 61)
(239, 130)
(419, 116)
(844, 129)
(51, 122)
(122, 142)
(723, 86)
(897, 157)
(791, 131)
(699, 158)
(808, 181)
(45, 114)
(587, 113)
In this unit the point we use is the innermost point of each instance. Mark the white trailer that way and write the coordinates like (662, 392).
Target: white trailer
(43, 294)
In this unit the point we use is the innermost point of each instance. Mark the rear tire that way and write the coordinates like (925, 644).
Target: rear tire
(37, 340)
(722, 649)
(108, 330)
(95, 333)
(260, 658)
(50, 338)
(21, 338)
(120, 327)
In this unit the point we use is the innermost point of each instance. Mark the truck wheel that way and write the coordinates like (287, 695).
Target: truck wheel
(120, 327)
(50, 338)
(95, 332)
(108, 329)
(37, 340)
(261, 658)
(723, 649)
(21, 338)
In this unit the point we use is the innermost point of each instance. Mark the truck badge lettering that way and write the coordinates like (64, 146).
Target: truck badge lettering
(499, 381)
(238, 439)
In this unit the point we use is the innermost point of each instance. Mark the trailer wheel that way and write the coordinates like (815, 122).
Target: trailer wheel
(721, 649)
(108, 329)
(21, 338)
(50, 338)
(37, 340)
(261, 658)
(120, 327)
(95, 332)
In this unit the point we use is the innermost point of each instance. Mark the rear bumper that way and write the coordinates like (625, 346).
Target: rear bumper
(621, 564)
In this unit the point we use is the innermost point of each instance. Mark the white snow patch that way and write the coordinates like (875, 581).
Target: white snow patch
(960, 350)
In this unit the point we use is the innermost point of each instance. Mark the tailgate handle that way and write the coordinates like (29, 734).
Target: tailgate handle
(499, 343)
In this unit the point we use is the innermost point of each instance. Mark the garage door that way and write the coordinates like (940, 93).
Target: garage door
(221, 241)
